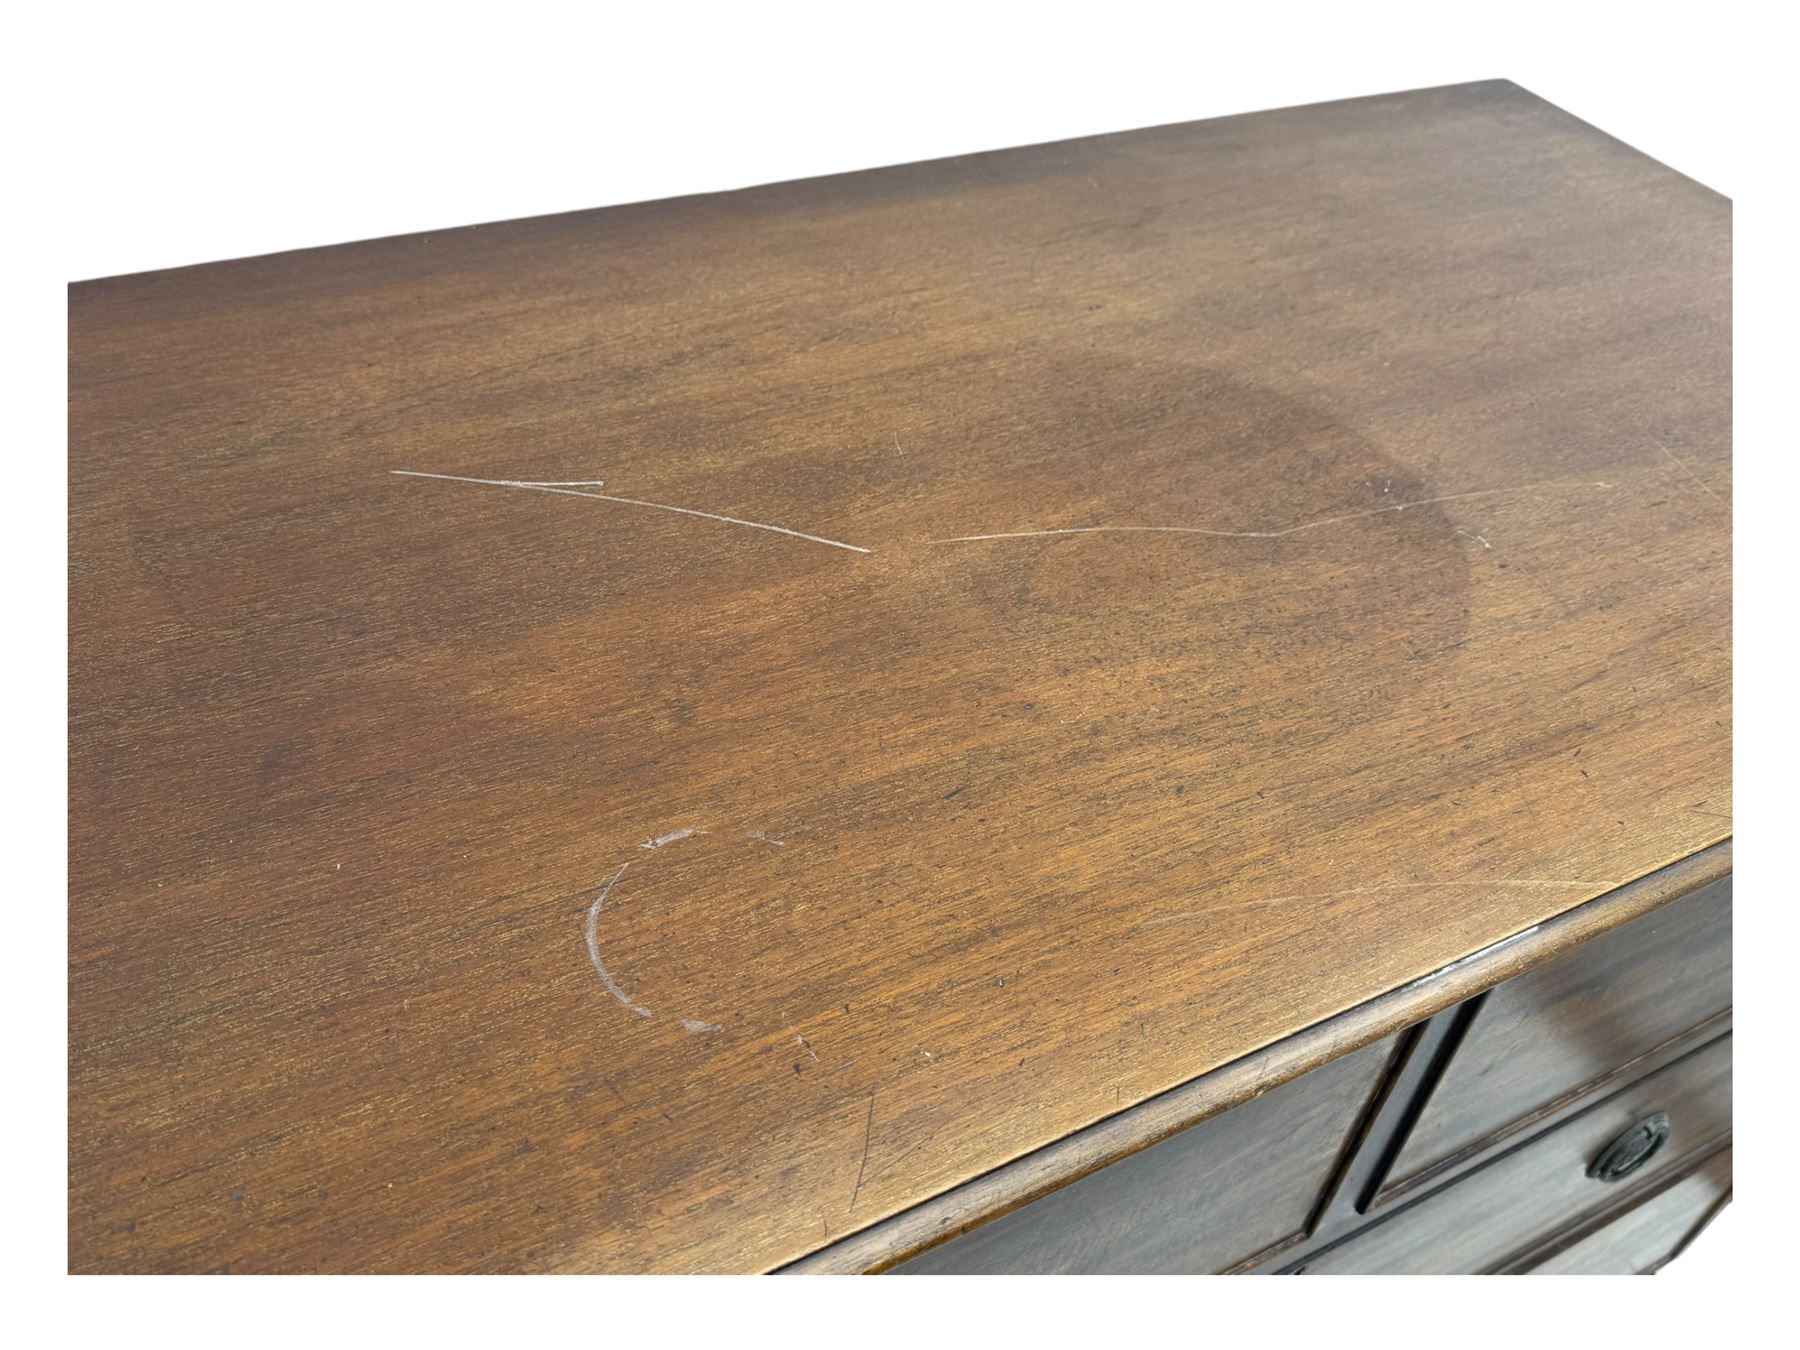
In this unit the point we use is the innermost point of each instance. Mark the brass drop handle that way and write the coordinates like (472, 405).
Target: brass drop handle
(1631, 1150)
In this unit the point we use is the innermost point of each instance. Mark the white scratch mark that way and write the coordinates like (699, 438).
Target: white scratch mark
(1595, 886)
(801, 1042)
(672, 837)
(506, 482)
(1694, 477)
(593, 945)
(929, 1057)
(1263, 534)
(698, 1027)
(1477, 538)
(759, 836)
(629, 501)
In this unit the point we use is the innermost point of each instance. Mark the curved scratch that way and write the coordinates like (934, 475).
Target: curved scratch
(593, 946)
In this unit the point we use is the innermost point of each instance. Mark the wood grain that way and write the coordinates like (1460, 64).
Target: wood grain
(1064, 821)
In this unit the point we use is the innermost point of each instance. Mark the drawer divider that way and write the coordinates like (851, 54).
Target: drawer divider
(1455, 1024)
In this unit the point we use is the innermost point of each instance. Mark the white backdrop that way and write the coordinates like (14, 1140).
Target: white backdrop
(186, 144)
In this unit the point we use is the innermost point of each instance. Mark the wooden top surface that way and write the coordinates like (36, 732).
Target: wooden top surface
(1380, 452)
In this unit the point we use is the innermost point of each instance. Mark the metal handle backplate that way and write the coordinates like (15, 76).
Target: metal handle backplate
(1631, 1150)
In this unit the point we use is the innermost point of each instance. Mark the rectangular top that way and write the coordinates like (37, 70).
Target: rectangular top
(654, 738)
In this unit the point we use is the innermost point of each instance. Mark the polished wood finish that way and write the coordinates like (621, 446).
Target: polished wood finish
(1214, 1197)
(1542, 1186)
(1555, 1033)
(1066, 823)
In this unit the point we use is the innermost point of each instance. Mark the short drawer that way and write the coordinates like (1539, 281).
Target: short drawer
(1544, 1186)
(1646, 1235)
(1542, 1039)
(1205, 1200)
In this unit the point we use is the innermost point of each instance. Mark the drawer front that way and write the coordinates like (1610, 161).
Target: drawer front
(1544, 1186)
(1543, 1037)
(1204, 1200)
(1646, 1235)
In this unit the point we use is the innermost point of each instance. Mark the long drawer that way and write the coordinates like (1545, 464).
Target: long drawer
(1546, 1185)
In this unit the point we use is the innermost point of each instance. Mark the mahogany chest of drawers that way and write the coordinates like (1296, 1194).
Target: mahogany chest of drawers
(1152, 703)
